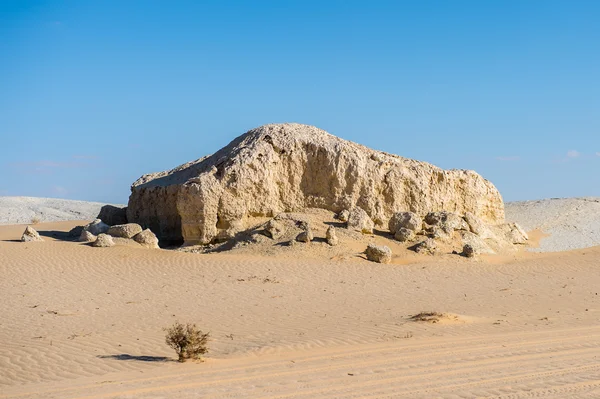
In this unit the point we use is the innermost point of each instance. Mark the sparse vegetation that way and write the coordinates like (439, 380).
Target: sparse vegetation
(36, 219)
(188, 341)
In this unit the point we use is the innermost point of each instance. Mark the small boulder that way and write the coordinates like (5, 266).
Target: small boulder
(358, 220)
(97, 227)
(306, 236)
(86, 236)
(103, 240)
(404, 234)
(468, 251)
(274, 229)
(146, 238)
(76, 231)
(447, 221)
(429, 246)
(379, 253)
(479, 245)
(407, 220)
(30, 235)
(112, 215)
(124, 230)
(344, 215)
(331, 236)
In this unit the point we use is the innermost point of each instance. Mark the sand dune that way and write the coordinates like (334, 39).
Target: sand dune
(83, 322)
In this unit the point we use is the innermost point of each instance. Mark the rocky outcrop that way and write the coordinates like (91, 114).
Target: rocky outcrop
(289, 167)
(379, 253)
(30, 235)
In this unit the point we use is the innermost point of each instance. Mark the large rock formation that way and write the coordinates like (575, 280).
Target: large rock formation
(288, 167)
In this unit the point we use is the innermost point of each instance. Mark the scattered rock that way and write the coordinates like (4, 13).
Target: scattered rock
(86, 236)
(331, 236)
(306, 235)
(343, 215)
(447, 221)
(147, 239)
(103, 240)
(379, 253)
(292, 167)
(274, 229)
(97, 227)
(438, 233)
(476, 242)
(76, 231)
(468, 251)
(358, 220)
(30, 235)
(404, 234)
(124, 230)
(407, 220)
(429, 246)
(513, 233)
(113, 215)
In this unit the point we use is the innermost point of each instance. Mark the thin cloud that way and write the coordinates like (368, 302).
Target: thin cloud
(91, 157)
(508, 159)
(60, 190)
(573, 154)
(598, 154)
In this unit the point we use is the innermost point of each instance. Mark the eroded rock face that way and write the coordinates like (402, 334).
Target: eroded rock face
(288, 167)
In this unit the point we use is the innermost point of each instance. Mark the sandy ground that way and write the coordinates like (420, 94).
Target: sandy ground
(83, 322)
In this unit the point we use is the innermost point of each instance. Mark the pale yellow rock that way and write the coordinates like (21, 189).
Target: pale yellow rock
(288, 167)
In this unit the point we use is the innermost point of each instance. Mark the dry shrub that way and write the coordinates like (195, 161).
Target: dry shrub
(188, 341)
(36, 220)
(429, 317)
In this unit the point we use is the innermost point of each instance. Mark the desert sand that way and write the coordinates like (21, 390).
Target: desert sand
(83, 322)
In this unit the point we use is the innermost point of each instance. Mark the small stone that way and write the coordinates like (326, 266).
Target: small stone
(30, 235)
(86, 236)
(379, 253)
(305, 236)
(403, 234)
(468, 251)
(124, 230)
(103, 240)
(331, 236)
(147, 239)
(344, 215)
(429, 246)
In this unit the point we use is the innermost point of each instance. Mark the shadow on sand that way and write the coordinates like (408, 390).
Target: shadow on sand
(125, 356)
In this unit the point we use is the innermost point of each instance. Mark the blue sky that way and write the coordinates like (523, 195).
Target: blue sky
(94, 94)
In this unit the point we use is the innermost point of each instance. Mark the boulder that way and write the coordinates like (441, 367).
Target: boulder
(103, 240)
(125, 230)
(30, 235)
(146, 238)
(476, 242)
(344, 215)
(331, 236)
(305, 236)
(76, 231)
(407, 220)
(288, 167)
(97, 227)
(514, 233)
(358, 220)
(468, 251)
(476, 225)
(112, 215)
(429, 246)
(274, 229)
(447, 221)
(404, 235)
(378, 253)
(86, 236)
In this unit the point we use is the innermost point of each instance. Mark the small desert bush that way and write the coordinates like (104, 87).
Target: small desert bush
(36, 219)
(187, 340)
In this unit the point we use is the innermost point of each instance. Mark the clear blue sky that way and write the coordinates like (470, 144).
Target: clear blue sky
(94, 94)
